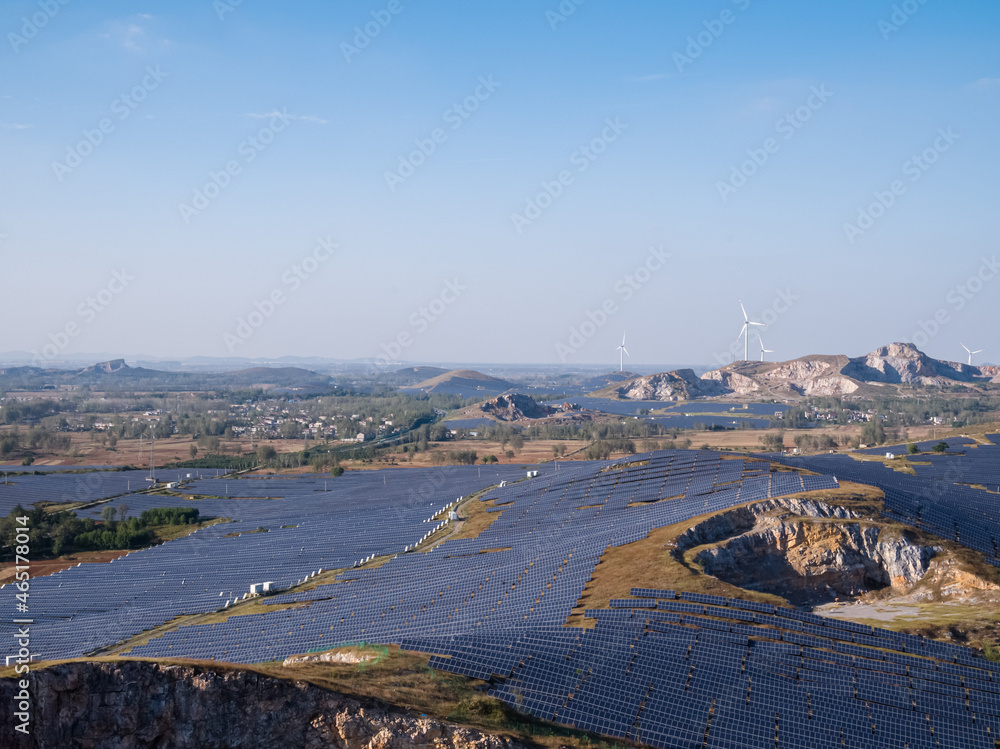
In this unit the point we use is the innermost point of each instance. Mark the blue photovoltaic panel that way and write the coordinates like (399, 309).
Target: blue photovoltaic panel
(662, 668)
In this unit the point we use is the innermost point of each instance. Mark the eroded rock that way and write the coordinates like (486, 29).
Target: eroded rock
(805, 551)
(136, 704)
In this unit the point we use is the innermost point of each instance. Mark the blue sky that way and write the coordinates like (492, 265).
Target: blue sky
(768, 148)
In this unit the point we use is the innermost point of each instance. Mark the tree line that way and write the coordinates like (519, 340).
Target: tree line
(55, 534)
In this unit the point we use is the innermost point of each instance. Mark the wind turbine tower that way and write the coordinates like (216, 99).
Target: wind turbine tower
(970, 352)
(762, 349)
(745, 332)
(622, 353)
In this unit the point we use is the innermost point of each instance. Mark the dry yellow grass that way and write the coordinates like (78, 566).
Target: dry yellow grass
(650, 563)
(477, 519)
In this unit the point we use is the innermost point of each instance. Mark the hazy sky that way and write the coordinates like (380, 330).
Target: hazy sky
(476, 180)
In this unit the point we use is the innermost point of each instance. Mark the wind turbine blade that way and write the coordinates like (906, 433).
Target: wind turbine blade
(626, 352)
(980, 351)
(742, 331)
(744, 310)
(623, 339)
(965, 347)
(761, 324)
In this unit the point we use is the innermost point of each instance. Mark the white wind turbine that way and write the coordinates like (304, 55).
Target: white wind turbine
(745, 332)
(622, 353)
(971, 352)
(762, 349)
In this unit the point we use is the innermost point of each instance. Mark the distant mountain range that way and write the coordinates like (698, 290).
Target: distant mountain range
(117, 375)
(894, 367)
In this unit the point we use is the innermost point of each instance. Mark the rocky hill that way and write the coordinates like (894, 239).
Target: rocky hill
(515, 407)
(892, 365)
(680, 385)
(139, 704)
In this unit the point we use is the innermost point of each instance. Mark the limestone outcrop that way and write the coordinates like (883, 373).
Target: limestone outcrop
(137, 704)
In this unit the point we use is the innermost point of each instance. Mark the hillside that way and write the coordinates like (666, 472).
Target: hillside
(413, 375)
(516, 407)
(679, 385)
(117, 375)
(898, 364)
(465, 383)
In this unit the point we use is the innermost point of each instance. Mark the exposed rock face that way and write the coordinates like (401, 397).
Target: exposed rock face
(108, 367)
(792, 549)
(733, 382)
(742, 519)
(904, 362)
(134, 705)
(515, 407)
(806, 376)
(682, 384)
(897, 363)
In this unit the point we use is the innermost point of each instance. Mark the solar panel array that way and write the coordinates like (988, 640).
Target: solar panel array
(953, 443)
(665, 668)
(281, 540)
(939, 498)
(61, 487)
(728, 673)
(527, 570)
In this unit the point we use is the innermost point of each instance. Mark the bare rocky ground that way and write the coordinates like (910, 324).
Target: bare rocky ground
(138, 704)
(846, 564)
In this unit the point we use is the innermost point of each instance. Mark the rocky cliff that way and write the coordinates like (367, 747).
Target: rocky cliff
(805, 551)
(682, 384)
(905, 363)
(895, 364)
(135, 704)
(515, 406)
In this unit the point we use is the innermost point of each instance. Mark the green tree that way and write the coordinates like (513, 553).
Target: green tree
(774, 442)
(873, 432)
